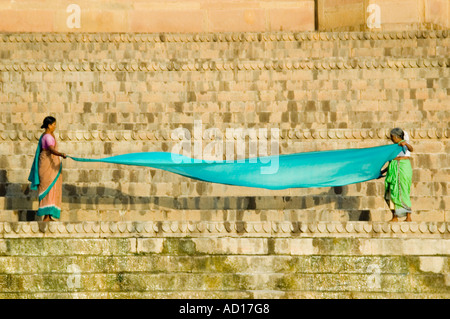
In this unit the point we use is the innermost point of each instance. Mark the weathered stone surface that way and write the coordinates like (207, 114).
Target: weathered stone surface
(221, 16)
(322, 90)
(392, 15)
(173, 260)
(146, 233)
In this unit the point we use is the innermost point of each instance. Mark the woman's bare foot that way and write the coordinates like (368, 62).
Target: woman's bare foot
(394, 219)
(48, 218)
(408, 217)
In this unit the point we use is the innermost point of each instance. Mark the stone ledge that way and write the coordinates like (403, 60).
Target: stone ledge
(223, 294)
(101, 37)
(227, 229)
(223, 65)
(152, 135)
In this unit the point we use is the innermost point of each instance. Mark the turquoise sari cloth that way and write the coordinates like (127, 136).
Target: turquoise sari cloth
(309, 169)
(33, 177)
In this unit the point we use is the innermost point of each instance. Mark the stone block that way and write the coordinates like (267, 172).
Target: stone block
(149, 245)
(236, 19)
(231, 245)
(292, 19)
(26, 20)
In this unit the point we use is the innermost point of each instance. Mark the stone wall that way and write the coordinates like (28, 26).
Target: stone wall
(220, 15)
(156, 16)
(122, 93)
(356, 15)
(224, 260)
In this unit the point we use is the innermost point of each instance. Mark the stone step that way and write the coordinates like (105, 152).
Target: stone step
(426, 142)
(179, 237)
(16, 53)
(88, 185)
(224, 259)
(282, 119)
(167, 189)
(199, 37)
(310, 139)
(413, 79)
(26, 45)
(235, 198)
(165, 264)
(188, 41)
(160, 134)
(187, 282)
(234, 113)
(233, 215)
(223, 294)
(186, 67)
(250, 93)
(226, 201)
(286, 121)
(86, 82)
(168, 181)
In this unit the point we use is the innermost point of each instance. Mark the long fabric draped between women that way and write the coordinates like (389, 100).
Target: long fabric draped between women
(299, 170)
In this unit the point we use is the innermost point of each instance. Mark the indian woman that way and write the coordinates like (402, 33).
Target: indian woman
(399, 178)
(46, 172)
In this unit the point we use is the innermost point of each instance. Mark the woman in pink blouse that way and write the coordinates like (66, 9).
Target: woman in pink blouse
(46, 172)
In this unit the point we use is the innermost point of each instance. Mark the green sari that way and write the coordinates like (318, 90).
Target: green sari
(398, 186)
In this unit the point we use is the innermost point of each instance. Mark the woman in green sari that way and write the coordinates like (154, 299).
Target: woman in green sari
(399, 178)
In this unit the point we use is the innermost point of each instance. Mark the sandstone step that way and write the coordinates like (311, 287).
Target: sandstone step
(79, 54)
(288, 88)
(293, 215)
(162, 183)
(247, 94)
(179, 237)
(330, 114)
(89, 81)
(316, 122)
(185, 68)
(16, 264)
(88, 185)
(224, 259)
(161, 134)
(142, 282)
(73, 41)
(363, 44)
(230, 294)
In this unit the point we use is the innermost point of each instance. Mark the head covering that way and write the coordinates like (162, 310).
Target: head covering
(398, 132)
(405, 136)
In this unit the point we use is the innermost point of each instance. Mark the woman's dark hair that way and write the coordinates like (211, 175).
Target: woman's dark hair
(47, 121)
(398, 132)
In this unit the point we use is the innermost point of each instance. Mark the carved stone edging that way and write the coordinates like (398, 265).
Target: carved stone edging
(165, 135)
(233, 229)
(221, 65)
(218, 37)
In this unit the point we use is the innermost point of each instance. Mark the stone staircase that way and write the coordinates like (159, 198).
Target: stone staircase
(120, 93)
(132, 232)
(205, 259)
